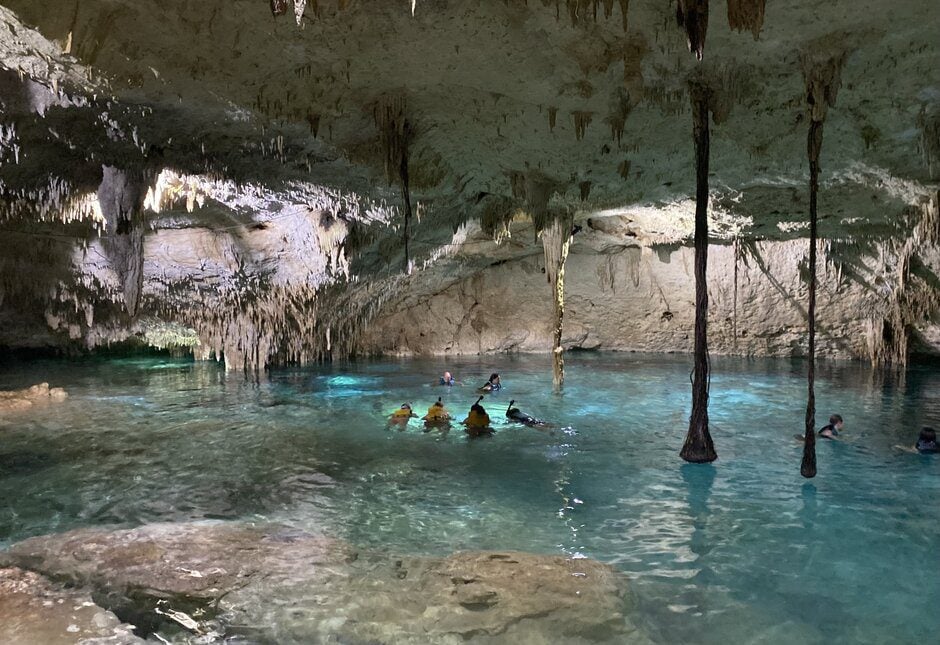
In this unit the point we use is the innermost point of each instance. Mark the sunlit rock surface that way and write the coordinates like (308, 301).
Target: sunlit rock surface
(286, 586)
(20, 400)
(217, 174)
(33, 610)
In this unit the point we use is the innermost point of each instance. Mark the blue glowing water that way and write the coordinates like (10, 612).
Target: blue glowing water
(744, 550)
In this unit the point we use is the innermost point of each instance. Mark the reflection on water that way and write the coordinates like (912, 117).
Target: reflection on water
(743, 550)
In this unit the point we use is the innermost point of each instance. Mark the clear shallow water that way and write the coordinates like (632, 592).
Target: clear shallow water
(744, 550)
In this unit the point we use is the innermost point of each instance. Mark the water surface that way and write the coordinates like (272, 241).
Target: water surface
(744, 550)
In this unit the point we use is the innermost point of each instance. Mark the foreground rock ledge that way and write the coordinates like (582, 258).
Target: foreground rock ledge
(280, 584)
(34, 610)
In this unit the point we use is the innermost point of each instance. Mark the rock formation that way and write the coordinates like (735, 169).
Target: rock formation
(19, 400)
(34, 610)
(212, 176)
(278, 584)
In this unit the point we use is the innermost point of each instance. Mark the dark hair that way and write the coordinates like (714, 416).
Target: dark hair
(494, 375)
(835, 418)
(927, 434)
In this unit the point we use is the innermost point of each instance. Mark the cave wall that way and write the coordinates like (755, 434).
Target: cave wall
(641, 299)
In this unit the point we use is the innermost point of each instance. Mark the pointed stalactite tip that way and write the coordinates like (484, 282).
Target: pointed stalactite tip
(692, 15)
(279, 7)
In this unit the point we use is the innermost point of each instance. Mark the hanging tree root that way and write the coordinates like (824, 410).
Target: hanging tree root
(821, 74)
(813, 146)
(698, 446)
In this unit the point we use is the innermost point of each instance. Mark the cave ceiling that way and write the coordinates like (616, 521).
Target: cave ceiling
(510, 102)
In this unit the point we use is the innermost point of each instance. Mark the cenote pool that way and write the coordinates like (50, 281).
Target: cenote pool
(742, 551)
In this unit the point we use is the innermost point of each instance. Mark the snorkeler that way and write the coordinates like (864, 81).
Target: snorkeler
(829, 431)
(448, 379)
(402, 415)
(437, 415)
(832, 430)
(927, 441)
(478, 421)
(493, 384)
(519, 416)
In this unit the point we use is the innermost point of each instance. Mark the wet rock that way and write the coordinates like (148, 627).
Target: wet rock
(485, 597)
(282, 585)
(19, 400)
(196, 561)
(33, 610)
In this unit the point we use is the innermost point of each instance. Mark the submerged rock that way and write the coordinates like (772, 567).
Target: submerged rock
(278, 584)
(34, 610)
(19, 400)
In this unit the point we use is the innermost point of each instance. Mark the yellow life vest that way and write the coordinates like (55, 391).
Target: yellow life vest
(436, 412)
(402, 413)
(477, 419)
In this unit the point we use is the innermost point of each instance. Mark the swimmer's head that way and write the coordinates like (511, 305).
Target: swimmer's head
(836, 421)
(927, 434)
(405, 406)
(447, 376)
(494, 378)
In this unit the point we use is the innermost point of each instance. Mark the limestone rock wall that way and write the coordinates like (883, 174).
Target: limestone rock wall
(640, 298)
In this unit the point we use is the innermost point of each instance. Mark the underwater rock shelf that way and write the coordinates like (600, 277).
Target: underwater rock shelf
(282, 585)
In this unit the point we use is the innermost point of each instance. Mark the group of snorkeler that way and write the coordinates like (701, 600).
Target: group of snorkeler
(477, 422)
(926, 442)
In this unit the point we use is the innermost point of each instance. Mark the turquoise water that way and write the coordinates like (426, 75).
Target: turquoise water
(742, 551)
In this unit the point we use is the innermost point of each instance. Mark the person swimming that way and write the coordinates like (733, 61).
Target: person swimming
(437, 415)
(402, 415)
(478, 421)
(831, 431)
(927, 441)
(519, 416)
(493, 384)
(447, 379)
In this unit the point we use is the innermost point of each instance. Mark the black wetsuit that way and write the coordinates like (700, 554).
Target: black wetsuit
(831, 428)
(927, 447)
(521, 417)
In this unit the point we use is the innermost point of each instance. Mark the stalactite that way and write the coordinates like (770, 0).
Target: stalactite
(552, 115)
(698, 446)
(279, 7)
(912, 298)
(692, 15)
(620, 110)
(299, 7)
(623, 169)
(624, 8)
(396, 133)
(746, 15)
(929, 141)
(121, 196)
(585, 188)
(581, 121)
(556, 241)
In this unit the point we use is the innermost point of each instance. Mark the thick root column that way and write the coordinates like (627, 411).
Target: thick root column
(698, 446)
(556, 241)
(821, 75)
(813, 146)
